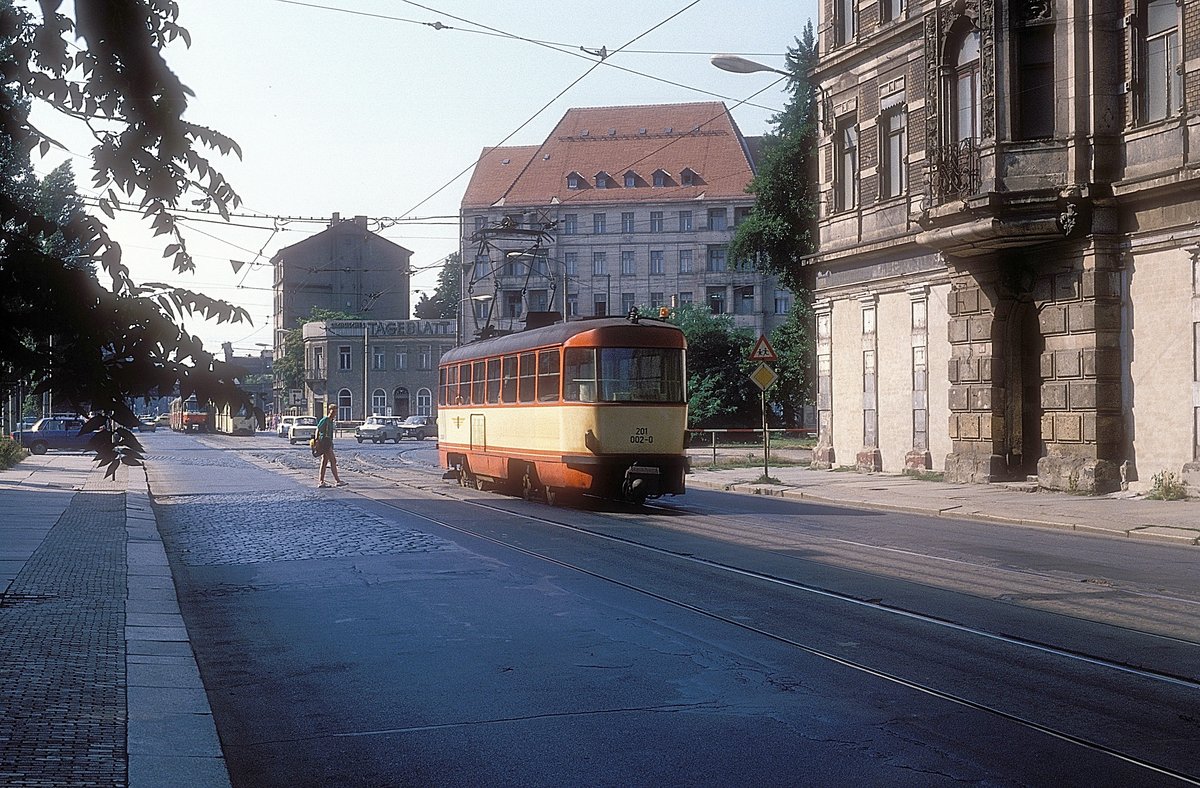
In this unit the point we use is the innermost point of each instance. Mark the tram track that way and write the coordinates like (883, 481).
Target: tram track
(1075, 735)
(1176, 682)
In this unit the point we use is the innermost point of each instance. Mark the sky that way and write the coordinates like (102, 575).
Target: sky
(367, 107)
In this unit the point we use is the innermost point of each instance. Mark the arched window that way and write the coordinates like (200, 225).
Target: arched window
(345, 403)
(962, 49)
(400, 406)
(378, 402)
(424, 402)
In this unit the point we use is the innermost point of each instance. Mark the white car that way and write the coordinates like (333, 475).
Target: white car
(378, 429)
(301, 429)
(285, 423)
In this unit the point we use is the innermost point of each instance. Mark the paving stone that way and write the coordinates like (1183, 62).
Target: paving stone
(62, 659)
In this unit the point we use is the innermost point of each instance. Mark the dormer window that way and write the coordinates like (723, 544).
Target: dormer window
(688, 177)
(631, 180)
(603, 180)
(574, 181)
(661, 178)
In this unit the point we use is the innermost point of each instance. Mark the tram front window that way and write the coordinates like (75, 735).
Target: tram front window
(624, 375)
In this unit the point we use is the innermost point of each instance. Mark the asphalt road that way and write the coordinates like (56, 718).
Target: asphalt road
(404, 631)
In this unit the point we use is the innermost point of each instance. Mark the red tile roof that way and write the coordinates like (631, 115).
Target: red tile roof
(701, 137)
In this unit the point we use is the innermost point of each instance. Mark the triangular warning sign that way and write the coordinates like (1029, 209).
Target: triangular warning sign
(762, 350)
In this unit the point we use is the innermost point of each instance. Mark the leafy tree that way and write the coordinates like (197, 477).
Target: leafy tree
(781, 228)
(97, 346)
(793, 344)
(720, 392)
(444, 303)
(57, 200)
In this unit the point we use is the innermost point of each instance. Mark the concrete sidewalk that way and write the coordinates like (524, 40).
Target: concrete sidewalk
(98, 683)
(1116, 515)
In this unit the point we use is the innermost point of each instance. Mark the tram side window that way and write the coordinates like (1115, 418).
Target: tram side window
(464, 385)
(547, 380)
(508, 391)
(493, 380)
(451, 390)
(579, 375)
(477, 383)
(442, 386)
(528, 390)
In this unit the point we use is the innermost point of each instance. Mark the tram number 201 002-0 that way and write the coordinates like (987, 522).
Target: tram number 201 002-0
(641, 435)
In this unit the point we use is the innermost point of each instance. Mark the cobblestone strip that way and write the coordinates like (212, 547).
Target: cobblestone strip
(62, 650)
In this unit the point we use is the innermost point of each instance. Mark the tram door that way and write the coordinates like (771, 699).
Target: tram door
(478, 433)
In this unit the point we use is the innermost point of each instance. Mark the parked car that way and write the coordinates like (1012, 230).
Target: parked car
(163, 419)
(378, 429)
(147, 424)
(56, 432)
(301, 428)
(285, 423)
(418, 427)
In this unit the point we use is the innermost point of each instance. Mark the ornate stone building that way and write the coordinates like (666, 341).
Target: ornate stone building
(1007, 284)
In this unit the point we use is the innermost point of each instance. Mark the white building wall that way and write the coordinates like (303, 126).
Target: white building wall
(847, 379)
(939, 383)
(895, 380)
(1159, 343)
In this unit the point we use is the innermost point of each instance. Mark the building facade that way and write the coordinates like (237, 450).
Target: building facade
(344, 268)
(620, 207)
(1007, 284)
(372, 367)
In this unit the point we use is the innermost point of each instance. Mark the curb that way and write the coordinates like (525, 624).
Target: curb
(172, 737)
(1164, 534)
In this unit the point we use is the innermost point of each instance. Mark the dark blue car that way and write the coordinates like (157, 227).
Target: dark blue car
(55, 432)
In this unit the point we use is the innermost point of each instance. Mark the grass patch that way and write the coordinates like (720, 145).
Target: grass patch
(925, 476)
(11, 453)
(1166, 486)
(844, 469)
(764, 479)
(731, 463)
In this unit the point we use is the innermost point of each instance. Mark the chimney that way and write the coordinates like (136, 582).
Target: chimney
(361, 221)
(337, 217)
(227, 347)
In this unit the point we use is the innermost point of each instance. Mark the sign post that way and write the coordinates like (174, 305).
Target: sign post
(764, 377)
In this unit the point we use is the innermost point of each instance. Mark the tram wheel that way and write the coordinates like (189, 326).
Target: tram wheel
(480, 484)
(552, 496)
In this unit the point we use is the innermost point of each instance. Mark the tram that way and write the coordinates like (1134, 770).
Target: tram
(595, 406)
(229, 420)
(187, 415)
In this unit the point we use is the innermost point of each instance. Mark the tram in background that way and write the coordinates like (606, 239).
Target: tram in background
(229, 420)
(187, 415)
(596, 406)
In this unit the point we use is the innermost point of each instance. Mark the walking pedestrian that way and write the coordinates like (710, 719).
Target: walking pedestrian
(324, 439)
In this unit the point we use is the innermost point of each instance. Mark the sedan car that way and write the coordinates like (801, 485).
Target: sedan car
(418, 427)
(56, 432)
(301, 428)
(378, 429)
(147, 424)
(285, 423)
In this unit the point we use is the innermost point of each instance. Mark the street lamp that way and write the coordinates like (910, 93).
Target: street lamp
(458, 310)
(740, 65)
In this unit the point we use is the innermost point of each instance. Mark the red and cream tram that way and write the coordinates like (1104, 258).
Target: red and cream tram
(187, 415)
(596, 406)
